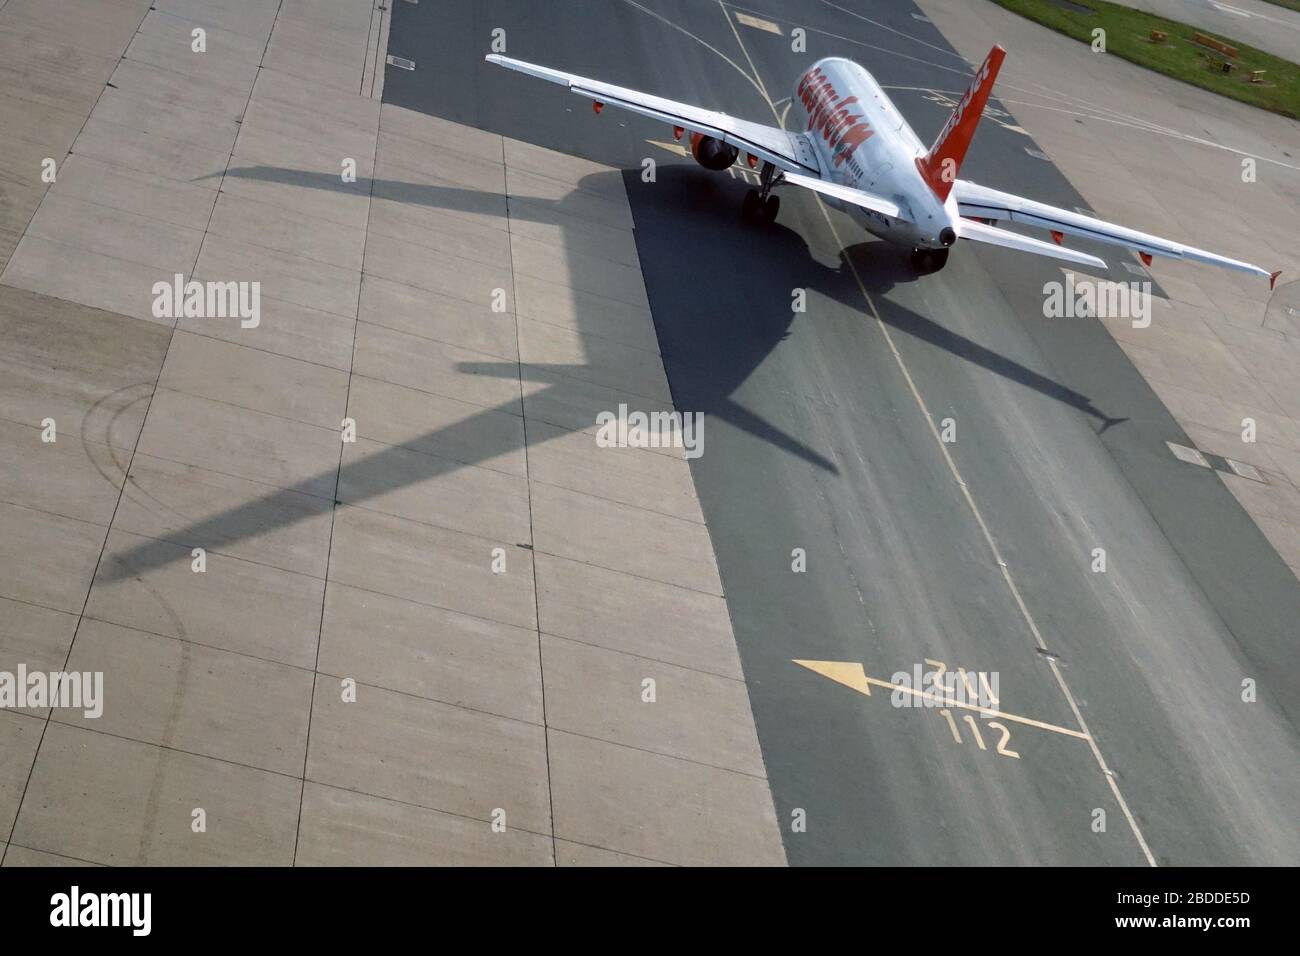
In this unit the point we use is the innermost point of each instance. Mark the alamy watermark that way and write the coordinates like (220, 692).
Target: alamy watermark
(179, 299)
(73, 690)
(945, 688)
(1098, 298)
(624, 429)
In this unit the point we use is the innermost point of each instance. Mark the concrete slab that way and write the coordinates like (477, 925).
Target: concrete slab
(137, 191)
(399, 156)
(357, 111)
(433, 271)
(632, 476)
(19, 737)
(558, 304)
(22, 856)
(418, 191)
(70, 477)
(543, 223)
(90, 371)
(152, 84)
(308, 282)
(431, 565)
(100, 27)
(572, 171)
(576, 854)
(234, 605)
(36, 636)
(290, 184)
(337, 75)
(86, 277)
(224, 68)
(222, 42)
(341, 828)
(429, 755)
(622, 612)
(658, 807)
(443, 232)
(310, 126)
(47, 559)
(431, 653)
(131, 148)
(257, 380)
(443, 318)
(194, 507)
(580, 203)
(595, 359)
(166, 248)
(696, 716)
(286, 328)
(594, 274)
(430, 366)
(624, 538)
(198, 699)
(49, 126)
(435, 131)
(238, 441)
(252, 18)
(437, 491)
(435, 425)
(121, 802)
(152, 112)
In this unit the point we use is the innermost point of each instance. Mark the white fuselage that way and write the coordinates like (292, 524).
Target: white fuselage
(863, 142)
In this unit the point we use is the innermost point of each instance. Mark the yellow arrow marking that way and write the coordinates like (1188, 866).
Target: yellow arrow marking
(852, 674)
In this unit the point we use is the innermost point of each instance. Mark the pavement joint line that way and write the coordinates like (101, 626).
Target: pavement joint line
(36, 849)
(641, 657)
(338, 474)
(970, 500)
(661, 753)
(18, 809)
(532, 533)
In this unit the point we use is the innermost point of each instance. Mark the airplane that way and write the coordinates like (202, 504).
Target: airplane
(861, 155)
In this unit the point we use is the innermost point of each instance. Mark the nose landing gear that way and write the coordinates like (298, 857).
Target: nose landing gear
(760, 204)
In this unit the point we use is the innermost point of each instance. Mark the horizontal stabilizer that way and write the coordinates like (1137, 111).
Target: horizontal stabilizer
(847, 194)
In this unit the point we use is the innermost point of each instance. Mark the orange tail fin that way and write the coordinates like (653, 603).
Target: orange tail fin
(939, 167)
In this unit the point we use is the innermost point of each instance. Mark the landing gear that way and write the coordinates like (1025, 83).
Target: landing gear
(760, 205)
(926, 261)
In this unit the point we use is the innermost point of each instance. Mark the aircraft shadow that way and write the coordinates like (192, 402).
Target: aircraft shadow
(726, 345)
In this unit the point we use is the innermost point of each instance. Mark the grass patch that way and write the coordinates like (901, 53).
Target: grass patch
(1128, 35)
(1289, 4)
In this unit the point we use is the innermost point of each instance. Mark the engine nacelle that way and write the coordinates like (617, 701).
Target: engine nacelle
(713, 153)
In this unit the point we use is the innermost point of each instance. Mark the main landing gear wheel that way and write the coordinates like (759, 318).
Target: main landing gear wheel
(760, 204)
(929, 260)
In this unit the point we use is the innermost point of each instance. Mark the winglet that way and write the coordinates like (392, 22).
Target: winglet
(940, 166)
(1272, 279)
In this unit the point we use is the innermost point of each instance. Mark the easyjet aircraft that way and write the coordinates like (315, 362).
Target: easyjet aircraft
(860, 154)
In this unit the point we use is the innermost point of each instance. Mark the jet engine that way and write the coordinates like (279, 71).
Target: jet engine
(713, 153)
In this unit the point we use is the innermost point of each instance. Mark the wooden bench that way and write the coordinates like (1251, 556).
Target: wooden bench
(1159, 36)
(1257, 76)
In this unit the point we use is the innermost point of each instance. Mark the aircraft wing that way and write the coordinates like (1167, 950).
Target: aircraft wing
(980, 202)
(789, 152)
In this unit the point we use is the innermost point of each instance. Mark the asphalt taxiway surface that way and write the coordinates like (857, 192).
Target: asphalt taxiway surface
(1123, 689)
